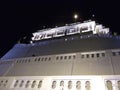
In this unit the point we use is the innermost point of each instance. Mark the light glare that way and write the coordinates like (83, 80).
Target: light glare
(75, 16)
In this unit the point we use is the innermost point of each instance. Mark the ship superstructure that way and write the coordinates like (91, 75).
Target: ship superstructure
(77, 56)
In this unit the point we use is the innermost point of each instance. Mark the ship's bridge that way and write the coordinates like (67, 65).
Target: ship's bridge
(70, 29)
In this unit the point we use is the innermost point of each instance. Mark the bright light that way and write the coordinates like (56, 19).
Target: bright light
(75, 16)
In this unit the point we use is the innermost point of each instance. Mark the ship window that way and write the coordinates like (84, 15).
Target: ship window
(38, 59)
(103, 54)
(109, 85)
(21, 84)
(78, 85)
(87, 85)
(65, 57)
(69, 57)
(87, 55)
(61, 57)
(70, 85)
(49, 59)
(42, 59)
(54, 84)
(97, 55)
(46, 59)
(118, 85)
(92, 55)
(57, 58)
(1, 82)
(114, 53)
(62, 83)
(35, 59)
(5, 82)
(119, 53)
(27, 84)
(74, 57)
(16, 83)
(82, 56)
(33, 84)
(40, 84)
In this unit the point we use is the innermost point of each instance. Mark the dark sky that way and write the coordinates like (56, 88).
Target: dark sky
(22, 17)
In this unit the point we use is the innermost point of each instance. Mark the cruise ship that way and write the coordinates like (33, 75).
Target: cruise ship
(76, 56)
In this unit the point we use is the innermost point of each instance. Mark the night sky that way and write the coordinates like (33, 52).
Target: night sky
(22, 17)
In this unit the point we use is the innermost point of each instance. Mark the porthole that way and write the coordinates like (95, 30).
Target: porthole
(69, 57)
(61, 57)
(118, 85)
(33, 84)
(109, 85)
(78, 85)
(82, 56)
(16, 83)
(40, 84)
(21, 84)
(103, 54)
(57, 58)
(62, 83)
(38, 59)
(74, 56)
(70, 85)
(5, 83)
(65, 57)
(27, 84)
(54, 84)
(97, 55)
(46, 59)
(92, 55)
(1, 83)
(87, 85)
(87, 55)
(42, 59)
(49, 58)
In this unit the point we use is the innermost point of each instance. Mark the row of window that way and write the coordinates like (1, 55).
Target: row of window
(109, 85)
(97, 55)
(70, 84)
(43, 59)
(47, 59)
(23, 61)
(116, 53)
(28, 84)
(3, 83)
(36, 60)
(94, 55)
(65, 57)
